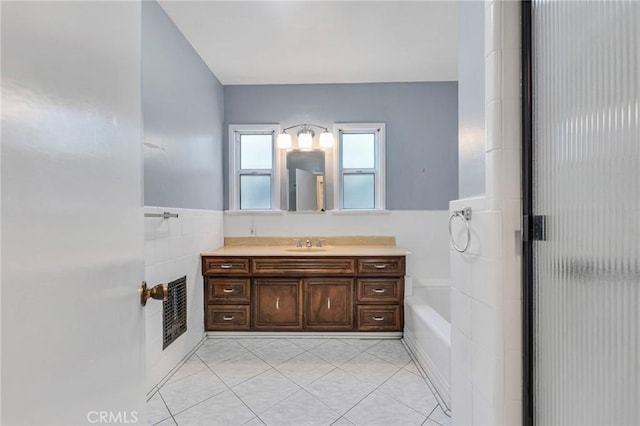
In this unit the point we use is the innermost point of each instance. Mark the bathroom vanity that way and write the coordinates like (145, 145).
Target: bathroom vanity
(277, 287)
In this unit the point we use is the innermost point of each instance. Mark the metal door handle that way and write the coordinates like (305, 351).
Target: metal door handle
(158, 292)
(328, 303)
(378, 318)
(277, 303)
(378, 290)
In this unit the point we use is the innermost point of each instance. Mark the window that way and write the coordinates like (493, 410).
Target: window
(253, 181)
(360, 160)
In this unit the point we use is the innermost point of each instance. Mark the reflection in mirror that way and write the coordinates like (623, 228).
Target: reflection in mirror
(305, 170)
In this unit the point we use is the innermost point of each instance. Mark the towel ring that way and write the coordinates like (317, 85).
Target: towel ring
(465, 215)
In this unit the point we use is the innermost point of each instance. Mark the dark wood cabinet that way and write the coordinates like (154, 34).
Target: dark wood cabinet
(380, 290)
(303, 266)
(277, 304)
(228, 290)
(302, 293)
(329, 303)
(379, 318)
(227, 317)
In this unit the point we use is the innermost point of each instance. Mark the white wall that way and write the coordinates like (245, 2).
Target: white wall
(172, 250)
(485, 302)
(422, 232)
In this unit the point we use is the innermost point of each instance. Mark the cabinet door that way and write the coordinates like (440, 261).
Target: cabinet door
(329, 303)
(278, 304)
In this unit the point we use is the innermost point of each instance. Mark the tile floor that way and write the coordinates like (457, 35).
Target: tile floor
(280, 382)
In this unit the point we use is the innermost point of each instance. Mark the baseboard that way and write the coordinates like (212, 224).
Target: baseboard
(306, 335)
(440, 387)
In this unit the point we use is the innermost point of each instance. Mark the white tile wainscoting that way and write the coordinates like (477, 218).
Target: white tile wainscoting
(172, 250)
(486, 299)
(422, 232)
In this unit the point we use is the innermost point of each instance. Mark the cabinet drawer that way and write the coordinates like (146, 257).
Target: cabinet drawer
(224, 265)
(381, 266)
(227, 317)
(228, 290)
(379, 318)
(389, 290)
(302, 266)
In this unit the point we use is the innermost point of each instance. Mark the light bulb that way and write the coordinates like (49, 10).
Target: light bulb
(305, 140)
(284, 140)
(326, 139)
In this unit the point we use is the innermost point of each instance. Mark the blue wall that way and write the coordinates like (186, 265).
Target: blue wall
(471, 103)
(421, 122)
(183, 113)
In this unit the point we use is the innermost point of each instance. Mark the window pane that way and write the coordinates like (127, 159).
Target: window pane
(255, 192)
(359, 191)
(358, 151)
(256, 151)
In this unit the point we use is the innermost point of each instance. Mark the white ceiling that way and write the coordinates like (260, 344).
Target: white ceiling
(303, 42)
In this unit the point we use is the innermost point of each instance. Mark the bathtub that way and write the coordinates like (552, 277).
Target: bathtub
(427, 333)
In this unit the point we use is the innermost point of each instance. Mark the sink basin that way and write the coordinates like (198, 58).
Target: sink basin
(305, 249)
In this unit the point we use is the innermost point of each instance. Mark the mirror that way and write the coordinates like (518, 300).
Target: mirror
(305, 171)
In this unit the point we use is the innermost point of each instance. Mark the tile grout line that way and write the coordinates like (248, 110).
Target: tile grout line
(397, 400)
(175, 369)
(204, 400)
(167, 407)
(430, 413)
(271, 367)
(304, 388)
(443, 406)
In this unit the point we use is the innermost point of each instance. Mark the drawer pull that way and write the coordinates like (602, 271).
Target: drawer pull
(225, 318)
(277, 303)
(328, 303)
(226, 266)
(377, 266)
(378, 290)
(228, 290)
(378, 318)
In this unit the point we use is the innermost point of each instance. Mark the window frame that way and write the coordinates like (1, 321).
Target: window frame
(235, 133)
(379, 171)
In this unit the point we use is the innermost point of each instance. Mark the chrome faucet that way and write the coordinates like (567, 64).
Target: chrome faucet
(308, 243)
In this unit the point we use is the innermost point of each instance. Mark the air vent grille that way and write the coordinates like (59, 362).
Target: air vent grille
(174, 312)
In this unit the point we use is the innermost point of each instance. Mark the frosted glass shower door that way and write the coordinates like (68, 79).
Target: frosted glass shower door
(586, 198)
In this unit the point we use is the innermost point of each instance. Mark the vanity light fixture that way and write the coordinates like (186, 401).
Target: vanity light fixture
(305, 137)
